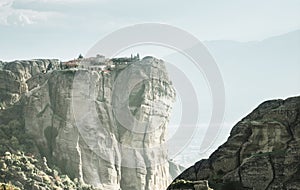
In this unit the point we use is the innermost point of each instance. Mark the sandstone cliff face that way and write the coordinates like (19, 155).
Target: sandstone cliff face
(105, 128)
(13, 77)
(262, 152)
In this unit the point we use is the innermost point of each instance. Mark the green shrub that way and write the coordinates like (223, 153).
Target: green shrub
(13, 137)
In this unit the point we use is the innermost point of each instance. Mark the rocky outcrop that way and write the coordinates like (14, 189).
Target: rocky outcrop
(189, 185)
(14, 76)
(262, 152)
(105, 128)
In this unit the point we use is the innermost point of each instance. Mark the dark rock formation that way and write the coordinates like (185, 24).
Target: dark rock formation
(262, 152)
(190, 185)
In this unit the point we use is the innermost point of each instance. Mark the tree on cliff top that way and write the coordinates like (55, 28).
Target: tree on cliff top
(80, 56)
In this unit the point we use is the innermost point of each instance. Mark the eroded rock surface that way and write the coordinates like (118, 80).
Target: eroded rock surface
(106, 128)
(14, 76)
(262, 152)
(190, 185)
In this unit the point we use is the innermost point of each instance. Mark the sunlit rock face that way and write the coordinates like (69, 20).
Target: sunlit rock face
(261, 153)
(106, 128)
(13, 77)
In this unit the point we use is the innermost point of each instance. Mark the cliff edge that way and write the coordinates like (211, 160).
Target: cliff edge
(101, 123)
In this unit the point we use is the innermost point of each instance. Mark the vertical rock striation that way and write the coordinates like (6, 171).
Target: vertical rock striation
(105, 128)
(14, 75)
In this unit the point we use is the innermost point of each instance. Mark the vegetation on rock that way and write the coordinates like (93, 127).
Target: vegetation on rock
(14, 138)
(22, 167)
(18, 171)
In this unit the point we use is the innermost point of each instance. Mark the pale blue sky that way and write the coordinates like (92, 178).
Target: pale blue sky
(65, 28)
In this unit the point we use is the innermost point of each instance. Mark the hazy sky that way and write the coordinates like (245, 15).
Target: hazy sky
(65, 28)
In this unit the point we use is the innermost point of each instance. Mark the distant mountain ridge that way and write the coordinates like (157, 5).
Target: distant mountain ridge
(252, 72)
(264, 70)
